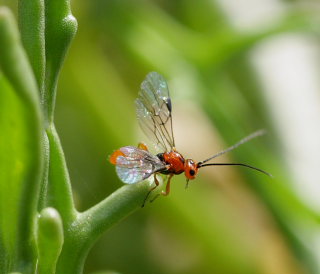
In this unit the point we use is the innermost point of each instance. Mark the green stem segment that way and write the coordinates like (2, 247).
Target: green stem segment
(44, 174)
(111, 210)
(59, 193)
(50, 240)
(60, 28)
(89, 225)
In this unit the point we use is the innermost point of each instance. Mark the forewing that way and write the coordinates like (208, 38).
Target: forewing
(137, 165)
(153, 107)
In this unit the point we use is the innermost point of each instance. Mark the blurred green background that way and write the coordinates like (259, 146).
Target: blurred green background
(233, 67)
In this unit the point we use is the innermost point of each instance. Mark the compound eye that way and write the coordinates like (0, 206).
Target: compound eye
(192, 172)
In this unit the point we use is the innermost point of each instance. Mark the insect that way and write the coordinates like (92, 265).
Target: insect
(154, 113)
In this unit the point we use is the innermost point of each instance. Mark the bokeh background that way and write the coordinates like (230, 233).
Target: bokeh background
(233, 66)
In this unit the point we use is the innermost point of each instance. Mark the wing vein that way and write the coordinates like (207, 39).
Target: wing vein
(154, 111)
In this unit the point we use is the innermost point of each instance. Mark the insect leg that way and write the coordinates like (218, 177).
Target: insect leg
(143, 146)
(187, 184)
(153, 188)
(164, 193)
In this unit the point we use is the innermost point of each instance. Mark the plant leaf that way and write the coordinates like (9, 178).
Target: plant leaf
(31, 23)
(20, 147)
(50, 240)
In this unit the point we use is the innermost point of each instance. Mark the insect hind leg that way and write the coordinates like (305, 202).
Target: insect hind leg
(153, 188)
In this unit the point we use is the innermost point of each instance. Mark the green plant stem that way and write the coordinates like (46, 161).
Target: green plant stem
(89, 225)
(60, 28)
(59, 193)
(31, 23)
(16, 68)
(115, 207)
(45, 173)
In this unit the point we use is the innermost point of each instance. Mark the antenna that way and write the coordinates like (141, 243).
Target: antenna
(237, 164)
(242, 141)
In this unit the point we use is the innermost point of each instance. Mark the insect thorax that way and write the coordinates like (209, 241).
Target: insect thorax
(174, 160)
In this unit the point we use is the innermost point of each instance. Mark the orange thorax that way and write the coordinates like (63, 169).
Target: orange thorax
(175, 161)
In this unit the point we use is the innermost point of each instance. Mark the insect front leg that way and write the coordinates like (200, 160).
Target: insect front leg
(187, 184)
(164, 193)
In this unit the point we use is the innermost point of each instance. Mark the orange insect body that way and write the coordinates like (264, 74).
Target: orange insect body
(175, 161)
(177, 164)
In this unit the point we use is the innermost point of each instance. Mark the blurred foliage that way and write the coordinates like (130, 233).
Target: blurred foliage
(259, 226)
(229, 220)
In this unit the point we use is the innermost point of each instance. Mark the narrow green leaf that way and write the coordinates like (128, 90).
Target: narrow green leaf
(31, 23)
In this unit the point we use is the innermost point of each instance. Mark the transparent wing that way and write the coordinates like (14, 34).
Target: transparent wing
(137, 165)
(153, 107)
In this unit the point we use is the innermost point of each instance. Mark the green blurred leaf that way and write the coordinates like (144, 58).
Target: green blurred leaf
(20, 147)
(16, 161)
